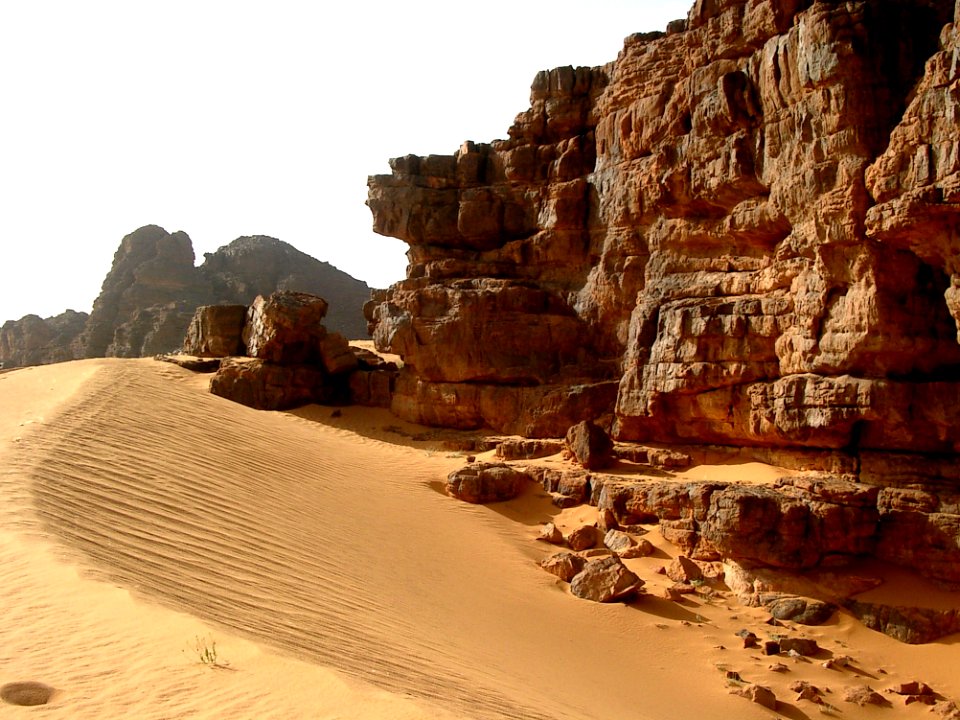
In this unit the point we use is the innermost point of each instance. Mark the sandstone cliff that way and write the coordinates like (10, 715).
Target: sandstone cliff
(153, 288)
(740, 232)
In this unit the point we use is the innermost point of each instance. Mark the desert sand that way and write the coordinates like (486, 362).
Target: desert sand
(142, 516)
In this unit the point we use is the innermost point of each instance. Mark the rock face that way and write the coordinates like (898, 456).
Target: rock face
(216, 331)
(33, 340)
(741, 223)
(148, 298)
(741, 232)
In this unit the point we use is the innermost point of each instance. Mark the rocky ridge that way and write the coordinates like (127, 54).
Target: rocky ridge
(739, 235)
(153, 287)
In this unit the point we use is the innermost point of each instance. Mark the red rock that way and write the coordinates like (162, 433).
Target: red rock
(565, 565)
(759, 694)
(863, 696)
(605, 580)
(582, 538)
(551, 533)
(486, 482)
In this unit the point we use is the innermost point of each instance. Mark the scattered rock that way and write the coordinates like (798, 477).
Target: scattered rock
(778, 668)
(565, 565)
(771, 647)
(863, 696)
(642, 548)
(605, 580)
(486, 482)
(548, 533)
(759, 694)
(684, 570)
(912, 688)
(802, 646)
(749, 639)
(590, 445)
(807, 691)
(583, 538)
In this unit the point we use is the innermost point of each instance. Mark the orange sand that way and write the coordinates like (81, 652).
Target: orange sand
(140, 513)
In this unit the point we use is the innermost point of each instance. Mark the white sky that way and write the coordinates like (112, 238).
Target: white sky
(237, 118)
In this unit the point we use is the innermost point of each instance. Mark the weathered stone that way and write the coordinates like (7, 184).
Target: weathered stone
(802, 610)
(618, 541)
(189, 362)
(605, 580)
(913, 625)
(684, 570)
(801, 646)
(590, 445)
(486, 482)
(33, 340)
(582, 538)
(373, 388)
(268, 386)
(336, 354)
(565, 565)
(285, 328)
(759, 694)
(216, 331)
(864, 695)
(551, 533)
(524, 449)
(573, 484)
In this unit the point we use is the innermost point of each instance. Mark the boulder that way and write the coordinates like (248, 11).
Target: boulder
(913, 625)
(285, 328)
(486, 482)
(759, 694)
(551, 533)
(216, 331)
(590, 445)
(605, 580)
(268, 386)
(565, 565)
(582, 538)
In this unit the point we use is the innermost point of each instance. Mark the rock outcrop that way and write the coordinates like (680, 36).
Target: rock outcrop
(747, 224)
(148, 298)
(33, 340)
(741, 232)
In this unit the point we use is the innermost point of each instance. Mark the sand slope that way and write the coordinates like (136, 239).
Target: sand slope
(335, 578)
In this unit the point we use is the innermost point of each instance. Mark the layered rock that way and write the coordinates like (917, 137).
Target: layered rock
(148, 298)
(696, 222)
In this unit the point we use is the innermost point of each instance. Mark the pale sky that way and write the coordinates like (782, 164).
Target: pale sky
(235, 118)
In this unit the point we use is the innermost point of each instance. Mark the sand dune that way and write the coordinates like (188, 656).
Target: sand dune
(140, 512)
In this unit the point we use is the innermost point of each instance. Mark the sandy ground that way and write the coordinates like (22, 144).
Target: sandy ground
(141, 514)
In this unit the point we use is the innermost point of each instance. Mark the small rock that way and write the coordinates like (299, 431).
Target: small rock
(806, 691)
(618, 541)
(778, 668)
(684, 570)
(550, 533)
(749, 638)
(471, 458)
(801, 646)
(948, 710)
(922, 699)
(912, 688)
(565, 565)
(759, 694)
(643, 548)
(771, 647)
(590, 445)
(864, 696)
(734, 676)
(582, 538)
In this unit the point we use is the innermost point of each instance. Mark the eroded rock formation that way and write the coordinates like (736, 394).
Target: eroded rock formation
(746, 226)
(33, 340)
(153, 288)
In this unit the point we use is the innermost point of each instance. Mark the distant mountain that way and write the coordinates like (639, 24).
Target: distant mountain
(153, 288)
